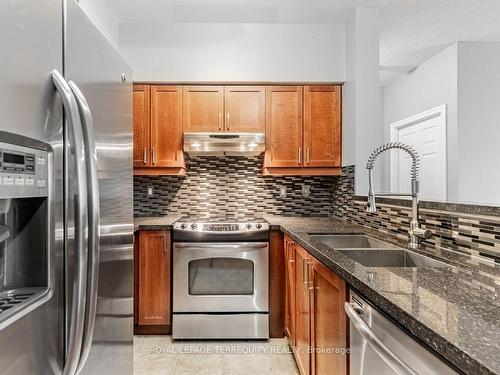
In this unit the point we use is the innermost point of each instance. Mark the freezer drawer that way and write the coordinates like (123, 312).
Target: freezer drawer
(379, 347)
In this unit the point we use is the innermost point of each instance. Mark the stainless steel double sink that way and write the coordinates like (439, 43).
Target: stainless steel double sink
(371, 252)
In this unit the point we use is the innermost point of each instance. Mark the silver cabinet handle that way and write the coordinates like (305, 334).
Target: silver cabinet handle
(164, 244)
(382, 350)
(94, 221)
(153, 155)
(308, 155)
(228, 120)
(77, 321)
(300, 155)
(145, 156)
(219, 121)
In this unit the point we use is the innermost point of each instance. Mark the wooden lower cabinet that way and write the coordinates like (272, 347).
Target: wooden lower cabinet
(315, 321)
(302, 311)
(152, 277)
(289, 288)
(328, 321)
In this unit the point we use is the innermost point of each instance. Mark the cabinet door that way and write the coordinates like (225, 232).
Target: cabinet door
(302, 310)
(154, 278)
(284, 126)
(166, 126)
(290, 290)
(322, 126)
(203, 108)
(328, 321)
(141, 125)
(245, 109)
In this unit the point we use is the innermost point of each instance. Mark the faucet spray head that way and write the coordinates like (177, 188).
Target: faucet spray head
(371, 206)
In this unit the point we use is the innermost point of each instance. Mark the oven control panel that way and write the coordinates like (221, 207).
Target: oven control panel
(23, 171)
(221, 227)
(192, 231)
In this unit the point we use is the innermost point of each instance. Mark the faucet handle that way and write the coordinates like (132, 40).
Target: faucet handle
(422, 233)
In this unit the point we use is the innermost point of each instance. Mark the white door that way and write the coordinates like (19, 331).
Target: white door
(426, 132)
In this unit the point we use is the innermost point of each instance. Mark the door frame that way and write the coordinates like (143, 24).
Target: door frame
(439, 111)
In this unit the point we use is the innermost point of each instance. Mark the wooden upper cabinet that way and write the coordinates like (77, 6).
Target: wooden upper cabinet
(154, 278)
(142, 150)
(284, 126)
(245, 109)
(328, 321)
(203, 108)
(322, 126)
(166, 126)
(302, 310)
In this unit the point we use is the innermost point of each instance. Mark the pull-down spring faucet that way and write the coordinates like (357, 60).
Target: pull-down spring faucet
(415, 231)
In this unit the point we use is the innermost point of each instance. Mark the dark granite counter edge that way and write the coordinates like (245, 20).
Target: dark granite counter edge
(155, 222)
(138, 227)
(443, 348)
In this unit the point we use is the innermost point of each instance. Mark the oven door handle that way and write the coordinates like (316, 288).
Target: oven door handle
(236, 245)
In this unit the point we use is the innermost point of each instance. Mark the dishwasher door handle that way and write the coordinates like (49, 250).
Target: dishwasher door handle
(352, 310)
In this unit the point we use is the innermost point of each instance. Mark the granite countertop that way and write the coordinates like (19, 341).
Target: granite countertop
(165, 222)
(455, 310)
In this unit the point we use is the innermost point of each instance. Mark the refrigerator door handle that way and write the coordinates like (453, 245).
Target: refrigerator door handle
(382, 350)
(75, 334)
(94, 221)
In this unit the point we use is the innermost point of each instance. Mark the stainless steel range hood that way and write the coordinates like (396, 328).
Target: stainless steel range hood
(224, 143)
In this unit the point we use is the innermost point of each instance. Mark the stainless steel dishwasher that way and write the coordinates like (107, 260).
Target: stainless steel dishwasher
(379, 347)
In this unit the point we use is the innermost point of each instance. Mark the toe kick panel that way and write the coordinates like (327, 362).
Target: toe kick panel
(220, 326)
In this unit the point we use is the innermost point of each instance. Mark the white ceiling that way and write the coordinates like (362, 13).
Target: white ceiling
(411, 30)
(234, 11)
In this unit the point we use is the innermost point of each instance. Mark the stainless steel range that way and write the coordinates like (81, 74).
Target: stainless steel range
(220, 280)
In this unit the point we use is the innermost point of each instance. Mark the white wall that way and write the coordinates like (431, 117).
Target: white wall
(349, 96)
(104, 19)
(479, 122)
(234, 52)
(431, 84)
(362, 123)
(465, 77)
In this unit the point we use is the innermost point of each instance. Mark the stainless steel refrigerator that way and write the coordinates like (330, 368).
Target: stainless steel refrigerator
(66, 227)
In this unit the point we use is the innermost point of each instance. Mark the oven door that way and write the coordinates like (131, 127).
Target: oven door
(220, 277)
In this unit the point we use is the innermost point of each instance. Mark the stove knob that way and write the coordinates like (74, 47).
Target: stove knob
(258, 226)
(183, 226)
(194, 226)
(249, 226)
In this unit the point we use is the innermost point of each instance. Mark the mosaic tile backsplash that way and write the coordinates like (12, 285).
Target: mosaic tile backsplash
(231, 187)
(467, 233)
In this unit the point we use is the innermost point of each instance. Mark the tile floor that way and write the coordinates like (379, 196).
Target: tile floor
(159, 355)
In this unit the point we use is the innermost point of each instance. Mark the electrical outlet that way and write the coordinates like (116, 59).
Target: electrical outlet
(150, 191)
(306, 191)
(283, 191)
